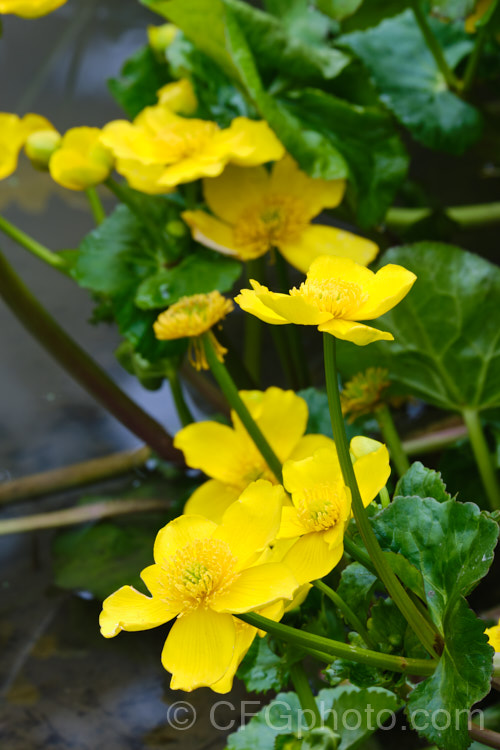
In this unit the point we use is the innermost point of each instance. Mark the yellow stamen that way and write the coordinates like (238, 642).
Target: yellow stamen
(320, 507)
(278, 219)
(363, 393)
(338, 297)
(196, 574)
(179, 142)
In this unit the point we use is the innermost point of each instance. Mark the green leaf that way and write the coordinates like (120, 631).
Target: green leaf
(452, 545)
(371, 12)
(301, 19)
(411, 85)
(453, 9)
(356, 588)
(387, 626)
(423, 482)
(319, 422)
(447, 330)
(338, 9)
(140, 78)
(199, 273)
(262, 670)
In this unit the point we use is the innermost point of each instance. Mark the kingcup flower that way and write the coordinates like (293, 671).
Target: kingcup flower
(14, 132)
(30, 8)
(81, 161)
(191, 317)
(322, 504)
(161, 150)
(336, 294)
(228, 455)
(362, 394)
(203, 574)
(179, 96)
(254, 211)
(493, 634)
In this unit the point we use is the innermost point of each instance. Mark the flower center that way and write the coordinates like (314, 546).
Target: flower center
(192, 316)
(196, 573)
(323, 506)
(338, 297)
(280, 218)
(188, 138)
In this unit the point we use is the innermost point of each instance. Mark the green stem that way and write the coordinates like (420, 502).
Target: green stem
(482, 456)
(42, 252)
(80, 366)
(292, 333)
(384, 497)
(80, 514)
(433, 45)
(358, 554)
(339, 650)
(467, 216)
(349, 615)
(230, 391)
(305, 695)
(123, 195)
(95, 205)
(392, 439)
(253, 326)
(182, 408)
(423, 629)
(434, 441)
(473, 61)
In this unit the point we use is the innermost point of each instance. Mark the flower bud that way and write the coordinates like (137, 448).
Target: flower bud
(40, 146)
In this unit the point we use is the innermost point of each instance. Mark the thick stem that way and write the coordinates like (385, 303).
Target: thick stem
(81, 514)
(467, 216)
(423, 629)
(385, 500)
(358, 554)
(34, 247)
(305, 695)
(482, 456)
(182, 408)
(392, 439)
(484, 736)
(77, 475)
(434, 441)
(95, 205)
(349, 615)
(473, 61)
(80, 366)
(230, 391)
(205, 388)
(433, 45)
(339, 650)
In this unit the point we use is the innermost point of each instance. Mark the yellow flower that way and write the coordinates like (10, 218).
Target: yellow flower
(30, 8)
(161, 37)
(179, 97)
(40, 146)
(161, 150)
(255, 211)
(322, 504)
(81, 161)
(228, 454)
(363, 393)
(14, 131)
(493, 634)
(190, 317)
(202, 575)
(336, 293)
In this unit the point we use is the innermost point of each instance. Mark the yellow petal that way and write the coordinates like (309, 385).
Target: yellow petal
(322, 468)
(142, 177)
(209, 231)
(248, 300)
(309, 444)
(299, 597)
(215, 449)
(253, 143)
(291, 525)
(281, 416)
(235, 190)
(387, 288)
(493, 634)
(256, 587)
(316, 240)
(190, 169)
(179, 96)
(372, 471)
(30, 8)
(179, 533)
(330, 266)
(199, 649)
(245, 635)
(211, 500)
(315, 195)
(357, 333)
(128, 609)
(126, 141)
(311, 557)
(294, 309)
(251, 523)
(152, 578)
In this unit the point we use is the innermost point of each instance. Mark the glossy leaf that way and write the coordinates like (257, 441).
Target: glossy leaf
(140, 78)
(262, 670)
(421, 481)
(410, 83)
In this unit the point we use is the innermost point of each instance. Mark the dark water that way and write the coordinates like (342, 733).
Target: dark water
(61, 684)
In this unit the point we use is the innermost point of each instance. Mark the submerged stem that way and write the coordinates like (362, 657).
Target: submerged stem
(422, 627)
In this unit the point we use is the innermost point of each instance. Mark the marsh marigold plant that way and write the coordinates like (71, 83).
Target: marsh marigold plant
(336, 294)
(203, 574)
(254, 211)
